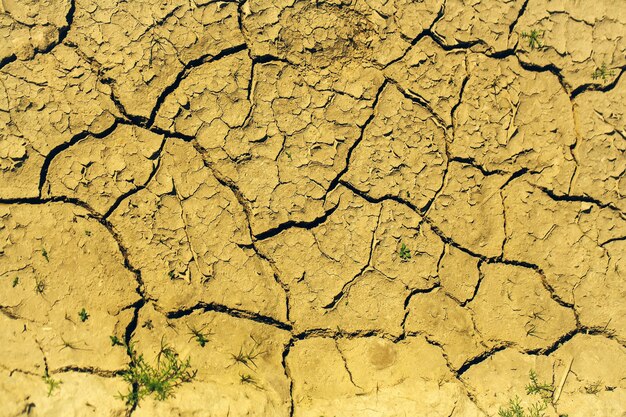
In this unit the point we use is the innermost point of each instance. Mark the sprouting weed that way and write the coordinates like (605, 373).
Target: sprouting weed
(16, 281)
(40, 286)
(247, 358)
(148, 324)
(161, 380)
(115, 341)
(534, 387)
(545, 390)
(247, 379)
(534, 38)
(513, 410)
(51, 382)
(171, 275)
(537, 409)
(200, 335)
(68, 345)
(531, 330)
(602, 72)
(83, 315)
(88, 232)
(404, 253)
(44, 253)
(594, 387)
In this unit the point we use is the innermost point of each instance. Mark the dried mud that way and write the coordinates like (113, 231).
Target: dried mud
(397, 208)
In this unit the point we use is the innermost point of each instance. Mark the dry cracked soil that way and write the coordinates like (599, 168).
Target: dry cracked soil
(312, 208)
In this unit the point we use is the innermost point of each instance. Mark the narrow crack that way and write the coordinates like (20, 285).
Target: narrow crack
(472, 162)
(143, 186)
(87, 370)
(521, 12)
(579, 198)
(205, 59)
(63, 31)
(614, 239)
(342, 334)
(233, 312)
(335, 181)
(345, 365)
(287, 372)
(479, 359)
(60, 148)
(346, 287)
(290, 224)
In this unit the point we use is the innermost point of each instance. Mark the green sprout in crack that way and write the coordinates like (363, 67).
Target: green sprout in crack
(83, 315)
(159, 380)
(543, 389)
(404, 253)
(51, 383)
(534, 38)
(200, 335)
(603, 72)
(16, 281)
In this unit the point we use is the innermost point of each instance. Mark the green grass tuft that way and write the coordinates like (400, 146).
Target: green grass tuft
(159, 380)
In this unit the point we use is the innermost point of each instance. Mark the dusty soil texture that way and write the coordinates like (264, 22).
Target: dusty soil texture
(330, 208)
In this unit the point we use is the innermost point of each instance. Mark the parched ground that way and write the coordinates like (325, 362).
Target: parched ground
(331, 208)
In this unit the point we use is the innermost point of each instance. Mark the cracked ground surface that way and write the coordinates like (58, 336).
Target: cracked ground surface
(394, 208)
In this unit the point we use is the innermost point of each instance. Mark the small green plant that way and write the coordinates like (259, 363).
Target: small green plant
(536, 409)
(88, 232)
(159, 380)
(16, 281)
(51, 383)
(83, 315)
(602, 72)
(515, 409)
(172, 275)
(534, 38)
(200, 335)
(44, 253)
(40, 286)
(247, 358)
(404, 253)
(542, 389)
(115, 341)
(148, 324)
